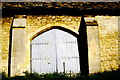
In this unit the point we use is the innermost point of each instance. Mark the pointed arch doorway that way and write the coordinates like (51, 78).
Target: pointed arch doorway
(55, 51)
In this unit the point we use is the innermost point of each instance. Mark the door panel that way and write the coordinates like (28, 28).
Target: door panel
(67, 52)
(42, 50)
(53, 51)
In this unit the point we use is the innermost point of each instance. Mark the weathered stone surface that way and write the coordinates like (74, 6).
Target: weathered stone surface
(108, 42)
(93, 49)
(35, 23)
(6, 24)
(102, 41)
(119, 38)
(0, 43)
(18, 58)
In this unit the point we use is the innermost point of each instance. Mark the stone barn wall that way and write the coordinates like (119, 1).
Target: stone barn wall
(39, 24)
(4, 39)
(108, 42)
(102, 41)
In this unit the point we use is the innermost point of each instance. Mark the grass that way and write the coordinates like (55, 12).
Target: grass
(111, 75)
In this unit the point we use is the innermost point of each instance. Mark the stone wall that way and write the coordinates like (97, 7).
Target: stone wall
(6, 23)
(102, 41)
(119, 39)
(0, 43)
(108, 42)
(37, 24)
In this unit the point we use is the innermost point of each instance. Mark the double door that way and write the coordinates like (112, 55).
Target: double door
(55, 51)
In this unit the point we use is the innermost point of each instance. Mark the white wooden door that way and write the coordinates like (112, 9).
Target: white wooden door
(55, 51)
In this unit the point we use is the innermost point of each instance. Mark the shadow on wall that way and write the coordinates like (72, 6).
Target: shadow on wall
(83, 48)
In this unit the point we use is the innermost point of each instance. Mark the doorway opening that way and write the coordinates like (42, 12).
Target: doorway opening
(55, 51)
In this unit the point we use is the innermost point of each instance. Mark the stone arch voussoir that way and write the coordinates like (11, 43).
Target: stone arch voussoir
(51, 26)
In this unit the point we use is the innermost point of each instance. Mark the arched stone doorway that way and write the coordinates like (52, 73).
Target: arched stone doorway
(55, 51)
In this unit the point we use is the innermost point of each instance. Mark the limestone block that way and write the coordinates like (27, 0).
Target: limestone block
(93, 49)
(18, 58)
